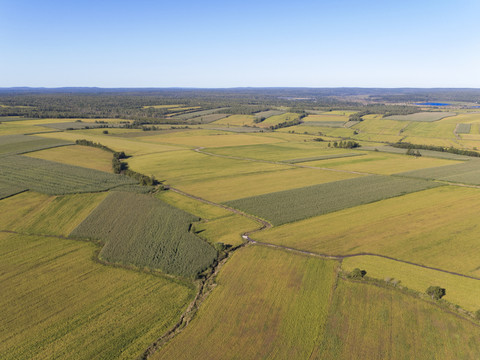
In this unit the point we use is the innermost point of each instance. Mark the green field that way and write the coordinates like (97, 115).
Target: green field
(463, 128)
(465, 173)
(146, 232)
(20, 144)
(422, 116)
(58, 303)
(84, 156)
(240, 186)
(283, 151)
(381, 163)
(189, 167)
(368, 322)
(54, 178)
(7, 190)
(420, 227)
(298, 204)
(267, 304)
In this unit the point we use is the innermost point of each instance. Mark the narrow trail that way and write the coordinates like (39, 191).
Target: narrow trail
(200, 151)
(342, 257)
(264, 224)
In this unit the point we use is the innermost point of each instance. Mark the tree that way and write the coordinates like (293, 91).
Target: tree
(436, 292)
(357, 274)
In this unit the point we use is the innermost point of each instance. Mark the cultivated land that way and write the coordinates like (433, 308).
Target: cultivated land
(279, 297)
(367, 322)
(146, 232)
(421, 227)
(298, 204)
(182, 273)
(58, 303)
(88, 157)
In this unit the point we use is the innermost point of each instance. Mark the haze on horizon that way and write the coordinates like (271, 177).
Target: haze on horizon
(218, 44)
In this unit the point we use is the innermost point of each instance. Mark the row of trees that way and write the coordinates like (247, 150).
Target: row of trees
(451, 149)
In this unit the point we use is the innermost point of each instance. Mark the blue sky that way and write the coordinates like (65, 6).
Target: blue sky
(179, 43)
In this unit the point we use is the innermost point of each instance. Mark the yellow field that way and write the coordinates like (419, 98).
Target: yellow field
(420, 227)
(214, 140)
(129, 146)
(195, 207)
(277, 119)
(280, 151)
(57, 303)
(374, 124)
(241, 186)
(367, 322)
(460, 290)
(236, 120)
(267, 304)
(432, 141)
(325, 117)
(48, 215)
(187, 167)
(227, 230)
(381, 163)
(77, 155)
(319, 130)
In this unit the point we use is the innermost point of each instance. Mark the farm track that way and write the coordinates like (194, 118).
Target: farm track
(199, 150)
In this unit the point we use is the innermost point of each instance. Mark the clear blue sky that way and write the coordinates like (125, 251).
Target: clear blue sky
(370, 43)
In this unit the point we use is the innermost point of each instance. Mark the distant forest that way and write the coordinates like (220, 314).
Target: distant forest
(143, 105)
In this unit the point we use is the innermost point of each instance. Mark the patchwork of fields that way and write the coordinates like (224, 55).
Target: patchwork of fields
(152, 259)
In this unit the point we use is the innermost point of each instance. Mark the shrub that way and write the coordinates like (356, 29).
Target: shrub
(357, 274)
(436, 292)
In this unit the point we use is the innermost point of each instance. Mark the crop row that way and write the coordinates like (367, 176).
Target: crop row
(146, 232)
(297, 204)
(53, 178)
(466, 173)
(19, 144)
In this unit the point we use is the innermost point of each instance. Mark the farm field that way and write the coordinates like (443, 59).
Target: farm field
(94, 265)
(420, 227)
(465, 173)
(287, 315)
(298, 204)
(391, 325)
(73, 301)
(7, 190)
(117, 143)
(227, 230)
(283, 151)
(461, 291)
(84, 156)
(240, 186)
(381, 163)
(47, 215)
(146, 232)
(213, 140)
(180, 168)
(19, 144)
(237, 120)
(193, 206)
(422, 116)
(325, 118)
(55, 178)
